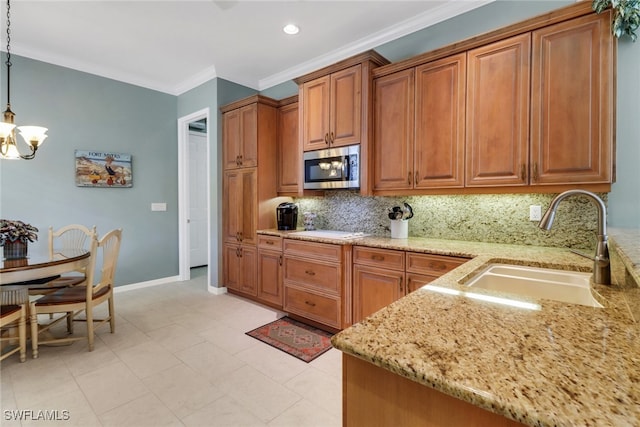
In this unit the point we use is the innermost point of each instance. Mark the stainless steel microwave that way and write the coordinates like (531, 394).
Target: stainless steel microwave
(332, 168)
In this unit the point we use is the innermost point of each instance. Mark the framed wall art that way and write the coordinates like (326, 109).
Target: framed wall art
(103, 169)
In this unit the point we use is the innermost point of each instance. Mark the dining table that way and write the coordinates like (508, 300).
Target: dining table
(17, 274)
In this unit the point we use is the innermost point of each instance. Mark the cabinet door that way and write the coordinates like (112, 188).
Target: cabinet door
(345, 107)
(249, 136)
(440, 115)
(572, 102)
(289, 153)
(231, 139)
(248, 270)
(374, 288)
(239, 206)
(498, 113)
(232, 206)
(249, 214)
(416, 281)
(240, 137)
(393, 131)
(315, 114)
(231, 266)
(270, 277)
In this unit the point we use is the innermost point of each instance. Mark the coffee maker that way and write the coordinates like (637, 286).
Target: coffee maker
(287, 215)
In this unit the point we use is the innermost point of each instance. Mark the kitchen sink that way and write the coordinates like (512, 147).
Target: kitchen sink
(540, 283)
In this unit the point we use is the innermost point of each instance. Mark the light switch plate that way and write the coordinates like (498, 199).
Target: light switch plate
(158, 207)
(535, 213)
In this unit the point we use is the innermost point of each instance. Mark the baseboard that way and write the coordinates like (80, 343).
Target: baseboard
(147, 284)
(163, 281)
(217, 291)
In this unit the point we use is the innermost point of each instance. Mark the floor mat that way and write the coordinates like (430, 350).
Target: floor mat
(295, 338)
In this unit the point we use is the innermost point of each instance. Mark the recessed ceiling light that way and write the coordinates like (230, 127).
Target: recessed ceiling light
(291, 29)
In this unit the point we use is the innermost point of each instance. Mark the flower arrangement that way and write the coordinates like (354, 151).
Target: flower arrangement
(13, 230)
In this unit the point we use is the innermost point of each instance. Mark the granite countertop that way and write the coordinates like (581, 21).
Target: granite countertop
(559, 365)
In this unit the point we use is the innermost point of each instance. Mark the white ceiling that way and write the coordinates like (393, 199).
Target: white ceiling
(173, 46)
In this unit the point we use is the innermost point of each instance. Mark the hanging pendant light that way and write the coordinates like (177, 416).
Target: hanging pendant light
(33, 136)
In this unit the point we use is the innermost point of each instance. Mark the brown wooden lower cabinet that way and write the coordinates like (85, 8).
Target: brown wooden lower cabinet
(313, 281)
(316, 306)
(240, 264)
(373, 396)
(375, 288)
(270, 262)
(270, 277)
(416, 281)
(382, 276)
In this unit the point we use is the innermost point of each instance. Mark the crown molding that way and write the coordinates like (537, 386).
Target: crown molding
(419, 22)
(90, 68)
(195, 80)
(446, 11)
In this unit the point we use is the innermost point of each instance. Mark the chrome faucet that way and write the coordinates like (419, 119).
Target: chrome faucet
(601, 264)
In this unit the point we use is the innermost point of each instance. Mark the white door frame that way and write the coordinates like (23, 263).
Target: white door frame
(184, 248)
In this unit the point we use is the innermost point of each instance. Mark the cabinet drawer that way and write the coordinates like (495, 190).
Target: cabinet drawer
(432, 264)
(321, 308)
(381, 258)
(326, 251)
(319, 275)
(270, 242)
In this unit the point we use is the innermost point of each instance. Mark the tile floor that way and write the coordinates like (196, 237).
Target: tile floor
(179, 357)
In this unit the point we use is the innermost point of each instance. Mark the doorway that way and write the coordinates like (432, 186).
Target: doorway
(198, 208)
(194, 173)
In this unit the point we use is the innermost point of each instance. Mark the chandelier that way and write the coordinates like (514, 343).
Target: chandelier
(33, 136)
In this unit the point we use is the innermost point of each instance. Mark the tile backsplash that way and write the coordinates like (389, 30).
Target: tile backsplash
(495, 218)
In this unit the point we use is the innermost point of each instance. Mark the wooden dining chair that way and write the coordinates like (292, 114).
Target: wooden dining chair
(73, 237)
(72, 301)
(13, 316)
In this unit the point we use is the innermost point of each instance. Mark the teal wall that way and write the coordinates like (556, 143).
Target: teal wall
(281, 91)
(84, 111)
(624, 199)
(192, 101)
(213, 94)
(477, 21)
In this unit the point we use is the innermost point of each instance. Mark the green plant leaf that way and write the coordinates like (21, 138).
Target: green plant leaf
(626, 16)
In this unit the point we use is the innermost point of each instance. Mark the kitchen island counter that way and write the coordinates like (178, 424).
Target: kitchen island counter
(559, 364)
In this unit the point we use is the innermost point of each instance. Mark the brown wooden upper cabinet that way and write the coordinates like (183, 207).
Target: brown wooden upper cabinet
(393, 130)
(419, 126)
(562, 133)
(497, 129)
(572, 90)
(332, 107)
(289, 153)
(336, 108)
(527, 108)
(240, 134)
